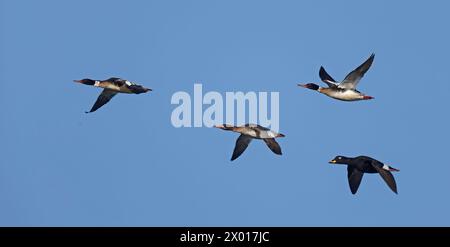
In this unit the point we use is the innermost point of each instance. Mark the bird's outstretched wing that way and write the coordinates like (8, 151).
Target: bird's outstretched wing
(241, 144)
(102, 99)
(353, 78)
(325, 77)
(273, 145)
(354, 178)
(387, 177)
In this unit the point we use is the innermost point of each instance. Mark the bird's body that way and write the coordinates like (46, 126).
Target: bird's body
(252, 130)
(345, 90)
(111, 87)
(356, 167)
(118, 87)
(249, 132)
(342, 94)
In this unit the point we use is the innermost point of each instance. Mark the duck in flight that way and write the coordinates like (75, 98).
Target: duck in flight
(356, 167)
(111, 87)
(248, 133)
(345, 90)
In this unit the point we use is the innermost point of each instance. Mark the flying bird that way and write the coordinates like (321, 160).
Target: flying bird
(111, 87)
(356, 167)
(248, 133)
(345, 90)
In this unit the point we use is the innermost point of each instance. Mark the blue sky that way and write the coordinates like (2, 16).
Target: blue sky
(125, 165)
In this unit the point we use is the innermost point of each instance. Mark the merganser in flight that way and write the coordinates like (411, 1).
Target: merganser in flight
(346, 90)
(248, 133)
(112, 86)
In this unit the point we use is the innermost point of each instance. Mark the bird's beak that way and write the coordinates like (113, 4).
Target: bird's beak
(79, 81)
(332, 162)
(280, 135)
(148, 89)
(301, 85)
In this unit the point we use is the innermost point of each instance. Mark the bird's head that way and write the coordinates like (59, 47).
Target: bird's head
(339, 160)
(224, 126)
(86, 81)
(311, 86)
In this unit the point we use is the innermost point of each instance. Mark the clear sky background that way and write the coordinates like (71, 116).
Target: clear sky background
(125, 165)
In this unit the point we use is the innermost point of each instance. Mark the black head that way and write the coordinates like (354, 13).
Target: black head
(224, 126)
(86, 81)
(339, 160)
(311, 86)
